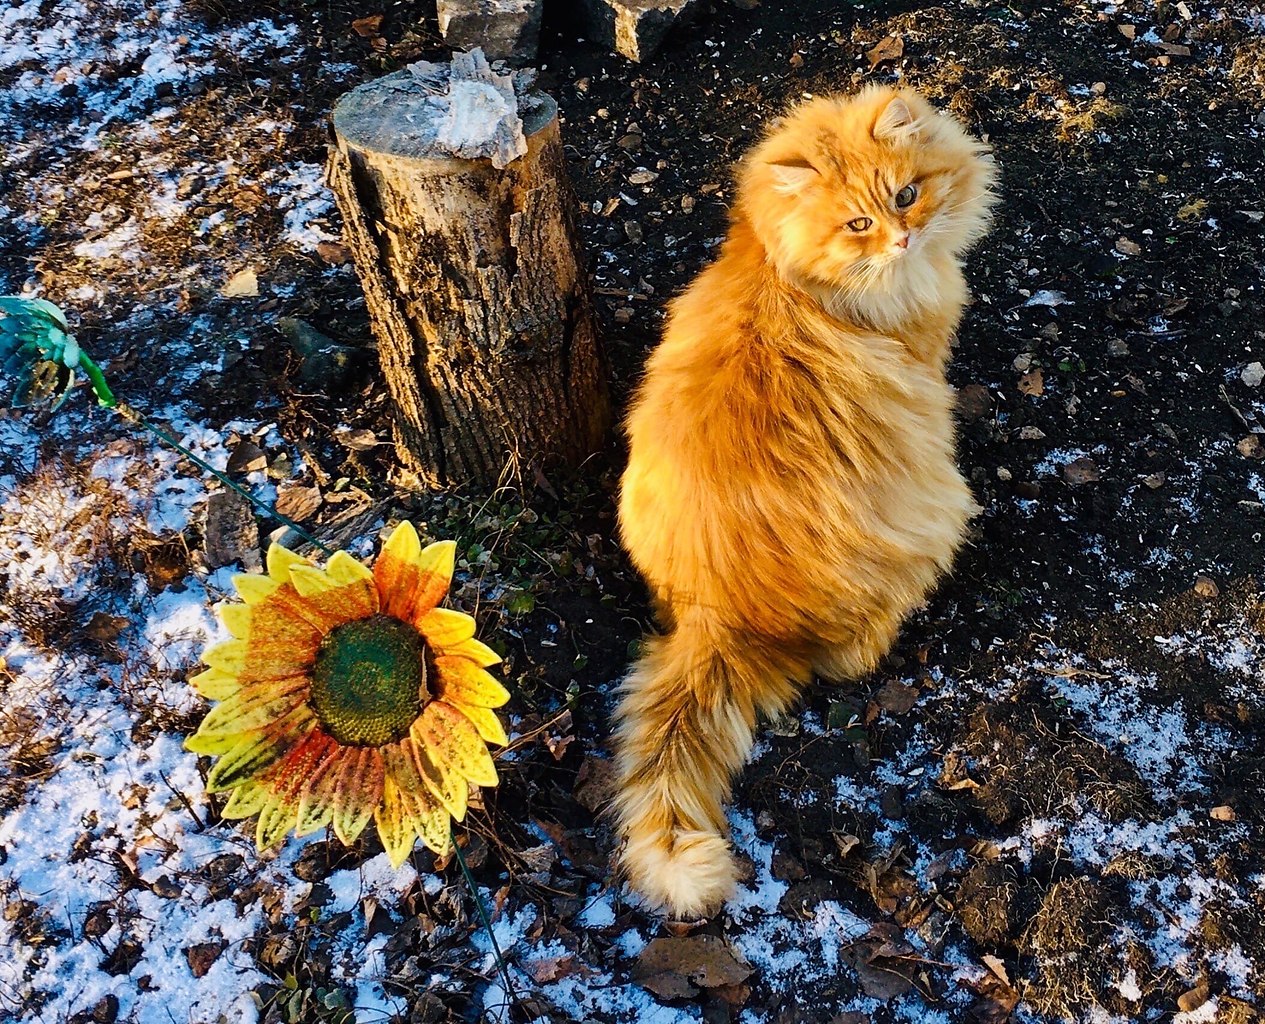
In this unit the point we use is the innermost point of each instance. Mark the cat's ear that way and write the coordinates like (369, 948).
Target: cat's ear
(897, 121)
(793, 175)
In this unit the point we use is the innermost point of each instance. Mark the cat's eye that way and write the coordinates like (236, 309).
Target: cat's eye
(906, 196)
(860, 223)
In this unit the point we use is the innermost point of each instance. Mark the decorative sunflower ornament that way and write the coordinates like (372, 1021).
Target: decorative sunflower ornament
(349, 694)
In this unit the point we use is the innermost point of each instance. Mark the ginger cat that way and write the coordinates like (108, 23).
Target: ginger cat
(791, 491)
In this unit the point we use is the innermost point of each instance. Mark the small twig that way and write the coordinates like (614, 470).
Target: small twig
(523, 740)
(1069, 672)
(184, 800)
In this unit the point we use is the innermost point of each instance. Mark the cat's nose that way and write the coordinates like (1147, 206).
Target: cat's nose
(903, 241)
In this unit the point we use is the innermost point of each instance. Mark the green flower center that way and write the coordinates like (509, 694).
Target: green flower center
(369, 681)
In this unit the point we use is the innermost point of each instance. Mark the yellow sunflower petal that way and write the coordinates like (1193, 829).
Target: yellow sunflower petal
(215, 684)
(230, 656)
(435, 566)
(215, 745)
(485, 720)
(258, 750)
(480, 653)
(358, 794)
(428, 818)
(245, 800)
(395, 823)
(395, 571)
(254, 588)
(343, 569)
(443, 627)
(254, 707)
(446, 784)
(431, 822)
(275, 819)
(236, 619)
(281, 560)
(316, 802)
(461, 680)
(310, 581)
(449, 738)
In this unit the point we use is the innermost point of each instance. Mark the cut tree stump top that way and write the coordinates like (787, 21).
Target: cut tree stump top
(441, 112)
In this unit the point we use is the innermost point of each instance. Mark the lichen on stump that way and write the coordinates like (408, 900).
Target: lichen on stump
(453, 188)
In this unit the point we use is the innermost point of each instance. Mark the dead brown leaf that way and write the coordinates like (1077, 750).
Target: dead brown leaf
(367, 27)
(887, 48)
(1033, 382)
(676, 967)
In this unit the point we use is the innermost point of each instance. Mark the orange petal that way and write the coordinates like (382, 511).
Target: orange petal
(395, 571)
(461, 680)
(450, 739)
(259, 750)
(443, 628)
(316, 802)
(358, 794)
(434, 576)
(480, 653)
(485, 720)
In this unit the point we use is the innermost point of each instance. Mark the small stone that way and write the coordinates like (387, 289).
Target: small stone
(641, 176)
(1205, 586)
(974, 403)
(635, 28)
(1099, 88)
(504, 29)
(1081, 471)
(687, 204)
(242, 285)
(1222, 813)
(633, 232)
(1031, 434)
(1154, 481)
(1251, 447)
(1004, 475)
(1194, 998)
(324, 362)
(1022, 362)
(1117, 349)
(1252, 375)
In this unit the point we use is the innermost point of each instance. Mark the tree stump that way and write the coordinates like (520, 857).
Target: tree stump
(453, 189)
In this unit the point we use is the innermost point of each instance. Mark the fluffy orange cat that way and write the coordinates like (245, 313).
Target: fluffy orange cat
(791, 492)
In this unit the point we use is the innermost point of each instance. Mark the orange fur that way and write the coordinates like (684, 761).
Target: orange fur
(791, 491)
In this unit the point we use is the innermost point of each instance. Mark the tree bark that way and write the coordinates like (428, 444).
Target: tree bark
(479, 304)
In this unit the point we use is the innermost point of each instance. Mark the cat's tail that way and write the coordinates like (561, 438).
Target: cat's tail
(685, 727)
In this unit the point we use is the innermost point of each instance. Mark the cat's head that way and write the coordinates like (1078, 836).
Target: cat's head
(862, 192)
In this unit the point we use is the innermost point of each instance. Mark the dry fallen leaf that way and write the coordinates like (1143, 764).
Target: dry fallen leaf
(367, 27)
(1032, 382)
(676, 967)
(887, 48)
